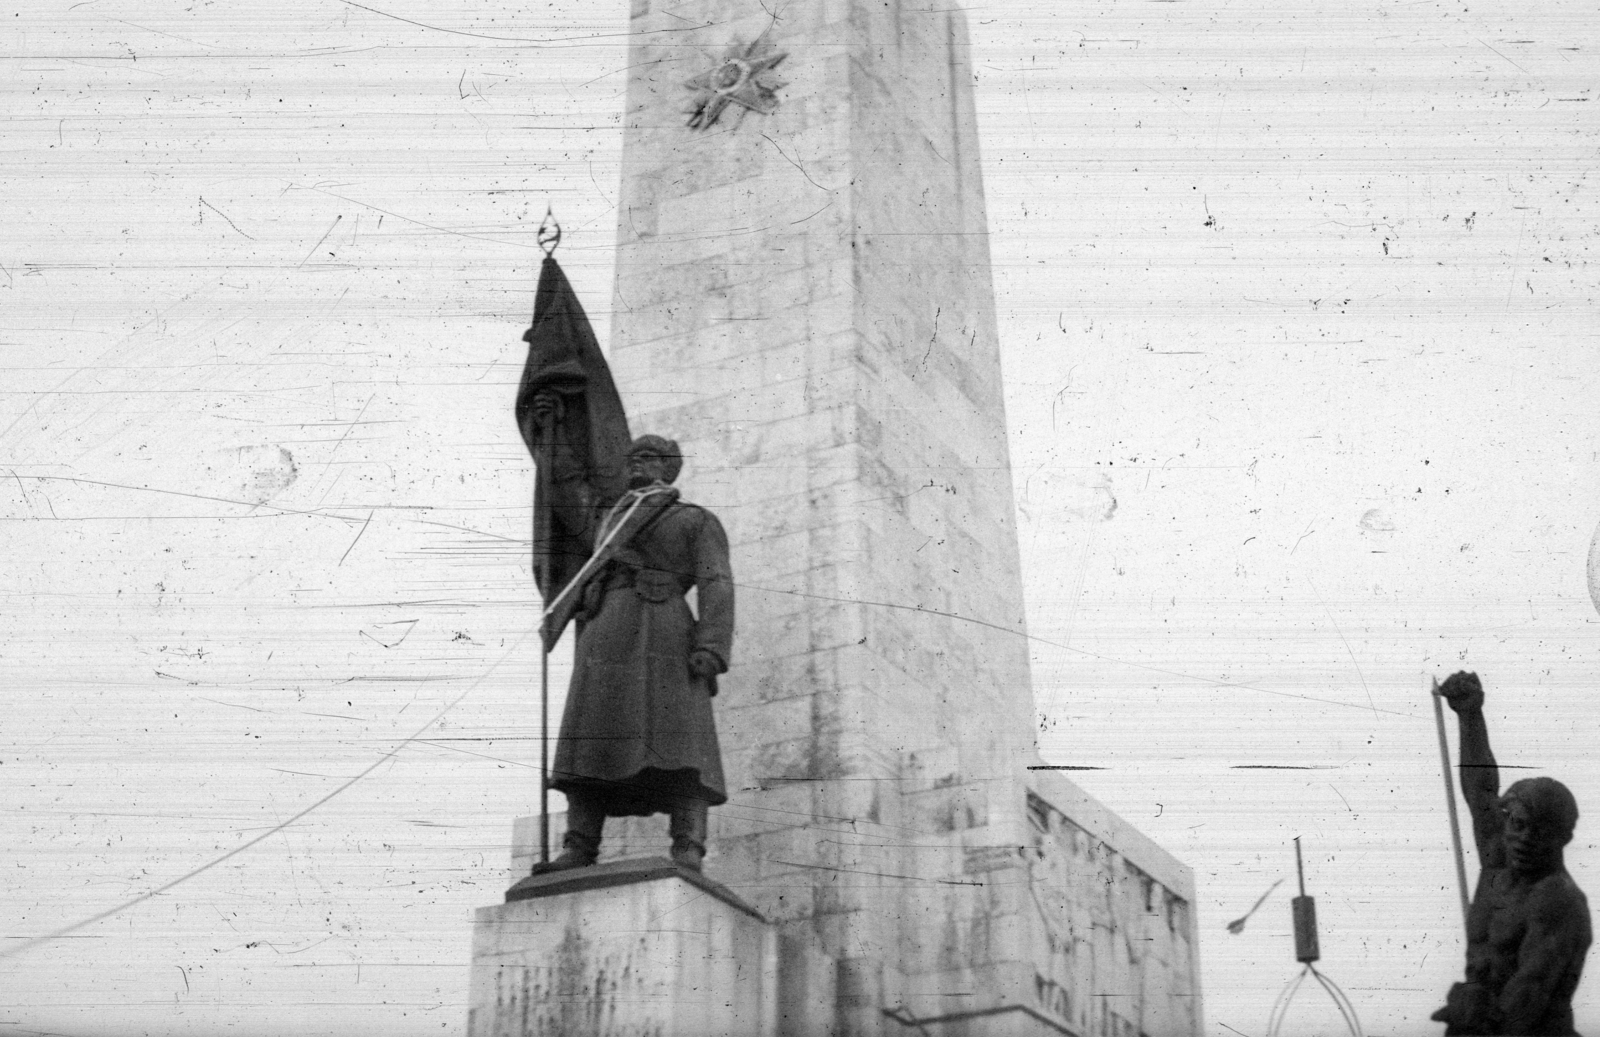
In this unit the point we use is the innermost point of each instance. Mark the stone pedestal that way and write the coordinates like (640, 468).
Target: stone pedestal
(639, 948)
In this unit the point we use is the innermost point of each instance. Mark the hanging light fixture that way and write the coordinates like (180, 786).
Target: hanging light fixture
(1306, 950)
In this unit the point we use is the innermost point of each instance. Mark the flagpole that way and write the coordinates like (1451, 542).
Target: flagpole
(548, 237)
(543, 556)
(1450, 800)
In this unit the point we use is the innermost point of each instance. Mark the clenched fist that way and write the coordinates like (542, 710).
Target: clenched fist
(704, 663)
(546, 405)
(1463, 691)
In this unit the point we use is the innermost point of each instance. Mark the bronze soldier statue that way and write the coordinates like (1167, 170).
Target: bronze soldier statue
(637, 736)
(1528, 926)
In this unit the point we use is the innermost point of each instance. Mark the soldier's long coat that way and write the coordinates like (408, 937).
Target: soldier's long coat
(637, 730)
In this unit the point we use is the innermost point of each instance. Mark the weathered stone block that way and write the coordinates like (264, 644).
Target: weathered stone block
(629, 950)
(795, 675)
(782, 896)
(758, 723)
(778, 806)
(865, 932)
(807, 984)
(860, 982)
(787, 758)
(950, 809)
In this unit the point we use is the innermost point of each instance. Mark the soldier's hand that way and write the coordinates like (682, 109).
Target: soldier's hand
(547, 405)
(1463, 691)
(704, 663)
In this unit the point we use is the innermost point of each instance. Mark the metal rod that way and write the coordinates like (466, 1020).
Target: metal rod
(1450, 800)
(544, 753)
(1298, 866)
(542, 559)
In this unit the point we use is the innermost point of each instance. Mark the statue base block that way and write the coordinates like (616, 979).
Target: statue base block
(637, 948)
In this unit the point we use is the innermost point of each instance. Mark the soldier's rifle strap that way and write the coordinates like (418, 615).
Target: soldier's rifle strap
(638, 509)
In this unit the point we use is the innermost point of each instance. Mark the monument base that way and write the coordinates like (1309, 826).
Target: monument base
(1055, 916)
(639, 948)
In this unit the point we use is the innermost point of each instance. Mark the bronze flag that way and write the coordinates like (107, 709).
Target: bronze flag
(585, 447)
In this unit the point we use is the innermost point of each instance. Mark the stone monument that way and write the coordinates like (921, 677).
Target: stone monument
(803, 302)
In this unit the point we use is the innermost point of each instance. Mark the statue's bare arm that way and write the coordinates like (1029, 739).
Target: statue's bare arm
(1480, 775)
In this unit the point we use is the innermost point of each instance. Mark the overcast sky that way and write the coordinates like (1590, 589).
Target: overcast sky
(1297, 309)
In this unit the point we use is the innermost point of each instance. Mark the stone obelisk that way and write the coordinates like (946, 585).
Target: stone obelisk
(803, 300)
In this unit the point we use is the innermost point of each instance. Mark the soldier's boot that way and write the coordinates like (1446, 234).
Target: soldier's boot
(581, 845)
(688, 831)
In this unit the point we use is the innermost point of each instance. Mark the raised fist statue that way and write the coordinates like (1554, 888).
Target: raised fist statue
(1463, 691)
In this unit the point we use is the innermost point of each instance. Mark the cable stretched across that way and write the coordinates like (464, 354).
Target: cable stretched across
(57, 934)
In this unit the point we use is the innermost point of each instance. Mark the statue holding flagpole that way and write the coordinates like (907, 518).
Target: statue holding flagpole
(616, 550)
(1528, 927)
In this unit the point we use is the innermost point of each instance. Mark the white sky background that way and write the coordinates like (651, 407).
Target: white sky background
(1305, 289)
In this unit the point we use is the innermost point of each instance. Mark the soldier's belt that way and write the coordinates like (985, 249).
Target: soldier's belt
(650, 584)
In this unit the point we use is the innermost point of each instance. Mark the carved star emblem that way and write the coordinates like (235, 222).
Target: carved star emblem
(743, 77)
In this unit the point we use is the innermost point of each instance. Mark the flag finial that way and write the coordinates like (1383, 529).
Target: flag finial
(549, 232)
